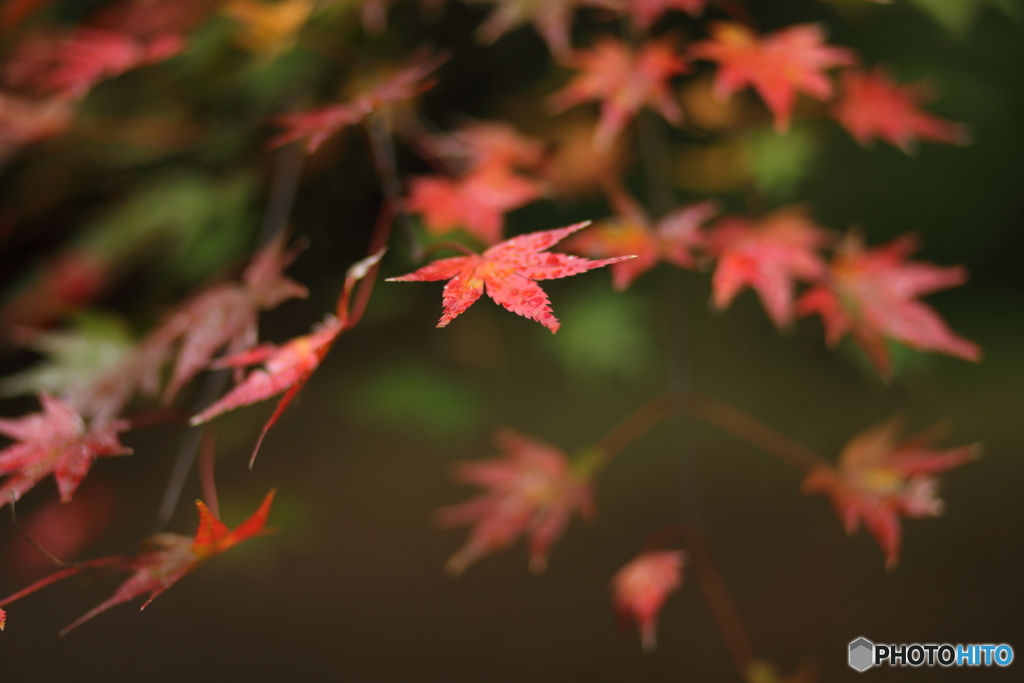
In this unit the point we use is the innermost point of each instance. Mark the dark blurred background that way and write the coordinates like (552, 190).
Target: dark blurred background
(351, 587)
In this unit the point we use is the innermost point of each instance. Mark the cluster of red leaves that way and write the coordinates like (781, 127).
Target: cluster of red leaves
(641, 587)
(872, 295)
(164, 559)
(508, 272)
(879, 478)
(624, 81)
(530, 489)
(317, 125)
(58, 442)
(492, 157)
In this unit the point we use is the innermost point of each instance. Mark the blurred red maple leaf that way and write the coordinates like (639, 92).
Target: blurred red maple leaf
(879, 478)
(286, 367)
(476, 202)
(767, 254)
(646, 12)
(316, 125)
(530, 489)
(625, 81)
(164, 560)
(507, 271)
(641, 587)
(55, 441)
(552, 19)
(671, 239)
(872, 106)
(485, 144)
(778, 66)
(872, 294)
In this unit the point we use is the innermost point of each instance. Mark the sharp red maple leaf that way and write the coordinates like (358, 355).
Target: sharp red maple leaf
(316, 125)
(625, 81)
(872, 295)
(56, 441)
(778, 66)
(879, 478)
(552, 19)
(508, 271)
(873, 106)
(531, 489)
(476, 202)
(164, 560)
(671, 239)
(226, 315)
(641, 587)
(285, 368)
(646, 12)
(769, 255)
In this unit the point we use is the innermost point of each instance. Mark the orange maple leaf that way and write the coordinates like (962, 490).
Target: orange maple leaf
(873, 106)
(769, 255)
(778, 66)
(55, 441)
(507, 271)
(641, 587)
(671, 239)
(164, 560)
(625, 81)
(316, 125)
(531, 489)
(872, 295)
(879, 478)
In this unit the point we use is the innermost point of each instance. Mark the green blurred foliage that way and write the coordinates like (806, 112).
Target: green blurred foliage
(780, 163)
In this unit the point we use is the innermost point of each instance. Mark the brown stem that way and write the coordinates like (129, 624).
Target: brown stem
(713, 411)
(207, 465)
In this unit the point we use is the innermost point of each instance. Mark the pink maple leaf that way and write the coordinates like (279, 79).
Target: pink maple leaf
(531, 489)
(641, 587)
(872, 295)
(873, 106)
(55, 441)
(879, 478)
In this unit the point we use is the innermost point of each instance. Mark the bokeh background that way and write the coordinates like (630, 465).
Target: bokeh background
(351, 587)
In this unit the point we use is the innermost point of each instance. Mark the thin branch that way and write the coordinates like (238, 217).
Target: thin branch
(207, 467)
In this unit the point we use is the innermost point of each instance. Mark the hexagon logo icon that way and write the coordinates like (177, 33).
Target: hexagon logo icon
(862, 654)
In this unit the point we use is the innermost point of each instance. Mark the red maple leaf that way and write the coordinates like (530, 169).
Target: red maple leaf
(552, 19)
(55, 441)
(225, 315)
(316, 125)
(476, 202)
(486, 144)
(507, 271)
(70, 66)
(165, 559)
(531, 489)
(872, 295)
(646, 12)
(671, 239)
(640, 588)
(769, 255)
(777, 66)
(288, 367)
(625, 81)
(26, 120)
(873, 106)
(879, 478)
